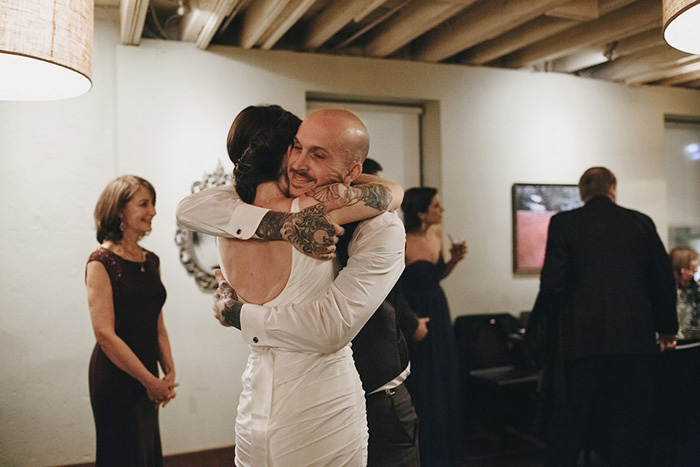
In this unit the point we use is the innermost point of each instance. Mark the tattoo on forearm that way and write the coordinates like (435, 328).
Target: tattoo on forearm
(270, 227)
(327, 193)
(309, 230)
(374, 195)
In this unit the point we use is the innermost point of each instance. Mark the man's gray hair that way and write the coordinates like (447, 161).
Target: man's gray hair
(596, 181)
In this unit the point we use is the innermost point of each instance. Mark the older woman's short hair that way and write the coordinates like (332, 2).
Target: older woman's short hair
(681, 257)
(111, 203)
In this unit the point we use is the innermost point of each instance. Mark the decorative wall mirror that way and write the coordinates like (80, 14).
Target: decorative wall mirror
(198, 251)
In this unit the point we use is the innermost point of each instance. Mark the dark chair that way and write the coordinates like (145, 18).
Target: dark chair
(499, 386)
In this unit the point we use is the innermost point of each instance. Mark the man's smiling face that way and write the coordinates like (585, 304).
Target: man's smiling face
(320, 155)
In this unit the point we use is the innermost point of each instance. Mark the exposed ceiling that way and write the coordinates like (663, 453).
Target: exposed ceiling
(617, 40)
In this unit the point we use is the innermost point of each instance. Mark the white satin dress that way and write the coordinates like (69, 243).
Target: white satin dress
(301, 408)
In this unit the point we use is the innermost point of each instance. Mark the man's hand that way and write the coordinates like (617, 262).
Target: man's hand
(421, 330)
(667, 342)
(310, 231)
(227, 308)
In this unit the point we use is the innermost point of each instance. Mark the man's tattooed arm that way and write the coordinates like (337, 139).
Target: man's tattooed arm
(374, 195)
(309, 230)
(227, 307)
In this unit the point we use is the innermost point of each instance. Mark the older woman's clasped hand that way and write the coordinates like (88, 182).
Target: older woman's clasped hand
(161, 391)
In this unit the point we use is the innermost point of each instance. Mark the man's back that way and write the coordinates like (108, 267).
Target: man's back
(611, 272)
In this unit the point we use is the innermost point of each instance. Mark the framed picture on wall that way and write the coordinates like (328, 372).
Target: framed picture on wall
(533, 206)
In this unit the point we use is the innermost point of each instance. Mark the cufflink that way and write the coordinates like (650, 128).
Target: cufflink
(255, 339)
(238, 232)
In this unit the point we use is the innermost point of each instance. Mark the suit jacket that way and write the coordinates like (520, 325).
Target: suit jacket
(608, 279)
(379, 349)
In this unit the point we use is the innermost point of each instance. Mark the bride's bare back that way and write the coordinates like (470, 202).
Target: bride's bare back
(258, 270)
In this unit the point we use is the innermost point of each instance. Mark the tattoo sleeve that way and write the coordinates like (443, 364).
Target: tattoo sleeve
(270, 227)
(309, 231)
(227, 307)
(374, 195)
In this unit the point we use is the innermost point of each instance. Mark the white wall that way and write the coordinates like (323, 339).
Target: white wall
(162, 111)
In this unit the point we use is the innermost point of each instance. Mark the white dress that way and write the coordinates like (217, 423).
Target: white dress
(301, 408)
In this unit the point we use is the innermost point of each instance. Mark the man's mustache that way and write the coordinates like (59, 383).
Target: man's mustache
(302, 173)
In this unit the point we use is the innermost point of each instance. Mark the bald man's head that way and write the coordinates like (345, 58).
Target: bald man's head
(330, 146)
(347, 128)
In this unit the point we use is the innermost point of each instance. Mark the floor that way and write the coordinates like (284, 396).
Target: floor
(507, 448)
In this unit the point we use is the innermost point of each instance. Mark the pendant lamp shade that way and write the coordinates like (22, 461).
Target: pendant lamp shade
(45, 49)
(682, 24)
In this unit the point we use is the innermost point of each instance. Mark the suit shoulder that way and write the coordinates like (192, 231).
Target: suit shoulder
(638, 216)
(564, 215)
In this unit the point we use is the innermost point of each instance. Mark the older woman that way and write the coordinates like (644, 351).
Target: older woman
(679, 371)
(125, 297)
(684, 261)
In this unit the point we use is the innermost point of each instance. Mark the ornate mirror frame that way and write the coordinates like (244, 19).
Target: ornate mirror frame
(185, 238)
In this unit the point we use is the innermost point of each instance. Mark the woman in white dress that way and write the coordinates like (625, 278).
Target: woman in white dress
(296, 408)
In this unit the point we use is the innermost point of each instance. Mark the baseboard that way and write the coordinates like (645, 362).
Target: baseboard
(217, 457)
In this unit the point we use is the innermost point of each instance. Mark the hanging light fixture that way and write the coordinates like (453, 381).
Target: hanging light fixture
(45, 49)
(682, 24)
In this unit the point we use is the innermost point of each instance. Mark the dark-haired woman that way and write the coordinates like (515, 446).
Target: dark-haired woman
(434, 381)
(125, 297)
(297, 406)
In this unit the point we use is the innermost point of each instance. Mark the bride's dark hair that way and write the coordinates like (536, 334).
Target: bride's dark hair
(257, 142)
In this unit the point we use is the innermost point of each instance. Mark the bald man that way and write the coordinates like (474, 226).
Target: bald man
(329, 147)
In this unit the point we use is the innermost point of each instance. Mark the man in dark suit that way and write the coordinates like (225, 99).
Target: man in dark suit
(607, 283)
(381, 359)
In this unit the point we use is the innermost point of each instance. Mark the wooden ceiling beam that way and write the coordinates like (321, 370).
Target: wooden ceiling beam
(581, 60)
(333, 18)
(522, 36)
(577, 10)
(672, 73)
(538, 29)
(481, 22)
(132, 15)
(410, 22)
(604, 53)
(620, 23)
(608, 6)
(257, 18)
(637, 43)
(638, 63)
(687, 78)
(202, 23)
(285, 21)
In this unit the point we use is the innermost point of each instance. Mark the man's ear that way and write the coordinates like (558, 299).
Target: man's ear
(353, 172)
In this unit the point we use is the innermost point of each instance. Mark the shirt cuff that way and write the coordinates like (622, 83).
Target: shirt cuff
(253, 324)
(246, 221)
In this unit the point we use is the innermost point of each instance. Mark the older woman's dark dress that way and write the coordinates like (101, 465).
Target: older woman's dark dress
(126, 420)
(434, 383)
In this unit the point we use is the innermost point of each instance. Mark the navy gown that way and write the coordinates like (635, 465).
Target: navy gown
(434, 383)
(126, 420)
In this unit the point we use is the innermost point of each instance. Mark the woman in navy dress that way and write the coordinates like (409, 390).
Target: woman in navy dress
(125, 297)
(434, 382)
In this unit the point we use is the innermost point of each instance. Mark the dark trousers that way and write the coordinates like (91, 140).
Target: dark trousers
(677, 413)
(393, 429)
(608, 407)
